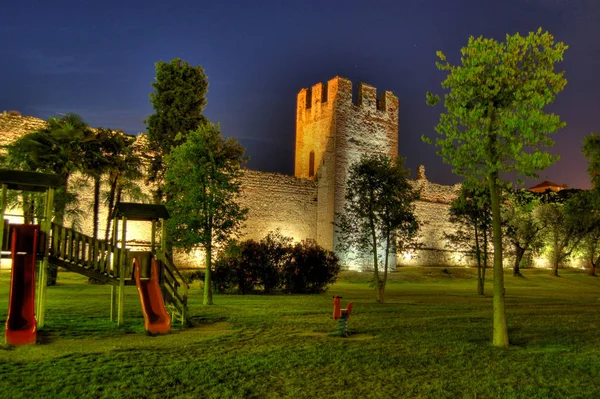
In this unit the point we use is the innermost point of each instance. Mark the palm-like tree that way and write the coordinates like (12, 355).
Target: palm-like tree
(56, 148)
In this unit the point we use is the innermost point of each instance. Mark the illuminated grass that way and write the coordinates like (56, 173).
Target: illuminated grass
(430, 340)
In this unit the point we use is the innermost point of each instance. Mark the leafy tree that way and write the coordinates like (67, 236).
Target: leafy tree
(178, 100)
(591, 150)
(584, 212)
(94, 164)
(563, 230)
(495, 122)
(471, 213)
(591, 243)
(55, 148)
(122, 174)
(203, 185)
(522, 229)
(378, 217)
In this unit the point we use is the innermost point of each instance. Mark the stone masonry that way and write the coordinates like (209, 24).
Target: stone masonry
(332, 132)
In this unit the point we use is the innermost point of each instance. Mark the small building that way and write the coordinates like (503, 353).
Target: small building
(547, 185)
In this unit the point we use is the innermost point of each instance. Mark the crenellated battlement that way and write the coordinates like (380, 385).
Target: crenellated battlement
(339, 92)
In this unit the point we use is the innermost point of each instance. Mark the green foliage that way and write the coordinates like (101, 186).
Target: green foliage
(471, 213)
(274, 264)
(124, 170)
(591, 150)
(522, 229)
(378, 217)
(563, 228)
(203, 187)
(178, 101)
(582, 213)
(310, 269)
(495, 122)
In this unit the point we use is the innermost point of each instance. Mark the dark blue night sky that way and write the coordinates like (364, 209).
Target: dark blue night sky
(97, 59)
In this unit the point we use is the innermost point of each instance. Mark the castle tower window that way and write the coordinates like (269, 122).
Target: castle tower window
(311, 164)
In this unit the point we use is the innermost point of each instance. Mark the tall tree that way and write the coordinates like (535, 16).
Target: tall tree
(522, 229)
(124, 170)
(378, 218)
(495, 122)
(471, 213)
(178, 100)
(203, 187)
(94, 164)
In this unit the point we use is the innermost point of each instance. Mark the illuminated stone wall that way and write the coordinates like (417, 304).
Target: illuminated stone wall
(277, 201)
(333, 132)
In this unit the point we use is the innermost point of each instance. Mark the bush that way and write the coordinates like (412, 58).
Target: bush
(272, 264)
(310, 270)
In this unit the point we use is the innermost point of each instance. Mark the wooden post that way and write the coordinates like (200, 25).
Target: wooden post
(153, 237)
(122, 259)
(163, 235)
(2, 209)
(113, 269)
(43, 278)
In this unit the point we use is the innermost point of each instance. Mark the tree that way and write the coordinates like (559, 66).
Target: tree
(123, 172)
(378, 217)
(471, 213)
(563, 230)
(522, 229)
(495, 122)
(94, 164)
(56, 148)
(203, 186)
(583, 213)
(591, 244)
(178, 100)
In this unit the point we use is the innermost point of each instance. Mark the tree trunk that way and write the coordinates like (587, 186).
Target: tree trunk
(554, 272)
(519, 252)
(111, 205)
(59, 218)
(500, 336)
(207, 278)
(478, 255)
(592, 271)
(96, 206)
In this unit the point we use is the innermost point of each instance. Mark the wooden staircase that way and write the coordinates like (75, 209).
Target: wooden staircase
(102, 261)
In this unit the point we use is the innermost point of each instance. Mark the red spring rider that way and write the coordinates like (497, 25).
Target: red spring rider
(342, 315)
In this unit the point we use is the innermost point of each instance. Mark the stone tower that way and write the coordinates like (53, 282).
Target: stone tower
(332, 132)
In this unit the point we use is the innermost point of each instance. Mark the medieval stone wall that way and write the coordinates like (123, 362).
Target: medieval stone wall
(13, 126)
(277, 201)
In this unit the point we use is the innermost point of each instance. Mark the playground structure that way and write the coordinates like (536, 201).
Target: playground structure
(161, 286)
(342, 315)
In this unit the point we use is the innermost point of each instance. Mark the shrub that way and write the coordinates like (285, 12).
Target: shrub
(273, 263)
(310, 269)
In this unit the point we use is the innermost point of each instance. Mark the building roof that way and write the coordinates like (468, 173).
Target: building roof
(29, 181)
(144, 212)
(547, 185)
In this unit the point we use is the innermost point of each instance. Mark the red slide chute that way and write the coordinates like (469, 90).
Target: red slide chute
(21, 326)
(156, 318)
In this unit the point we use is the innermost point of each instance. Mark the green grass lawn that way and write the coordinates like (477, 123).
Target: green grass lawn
(432, 340)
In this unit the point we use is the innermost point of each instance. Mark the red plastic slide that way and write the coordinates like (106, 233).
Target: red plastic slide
(21, 326)
(156, 318)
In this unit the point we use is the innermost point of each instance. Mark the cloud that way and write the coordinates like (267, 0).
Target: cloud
(45, 64)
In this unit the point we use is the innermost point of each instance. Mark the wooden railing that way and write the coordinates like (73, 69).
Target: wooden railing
(172, 281)
(99, 259)
(84, 251)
